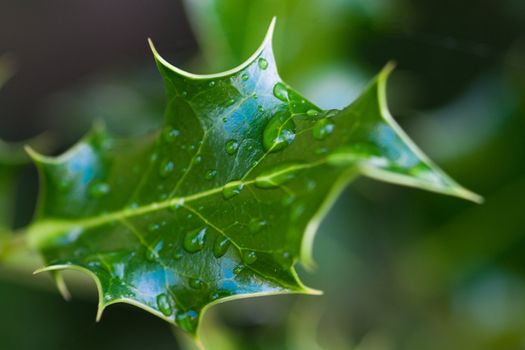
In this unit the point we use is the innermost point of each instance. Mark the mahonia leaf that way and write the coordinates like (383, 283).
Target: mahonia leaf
(223, 201)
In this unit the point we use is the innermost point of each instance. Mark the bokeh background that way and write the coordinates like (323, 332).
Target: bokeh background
(401, 268)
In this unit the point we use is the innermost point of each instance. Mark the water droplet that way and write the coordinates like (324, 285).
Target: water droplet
(287, 200)
(211, 83)
(280, 91)
(194, 240)
(232, 146)
(99, 189)
(166, 168)
(153, 227)
(230, 102)
(238, 269)
(312, 113)
(297, 211)
(321, 150)
(284, 258)
(178, 254)
(256, 225)
(279, 132)
(310, 185)
(210, 174)
(263, 63)
(221, 293)
(153, 253)
(260, 108)
(94, 265)
(323, 128)
(188, 320)
(232, 189)
(331, 113)
(184, 93)
(277, 176)
(244, 76)
(198, 159)
(170, 134)
(164, 305)
(196, 283)
(249, 257)
(221, 246)
(176, 204)
(154, 157)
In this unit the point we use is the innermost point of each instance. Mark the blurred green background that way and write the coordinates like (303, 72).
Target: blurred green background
(401, 268)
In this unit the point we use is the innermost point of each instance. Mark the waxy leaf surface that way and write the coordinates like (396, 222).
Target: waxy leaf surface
(224, 200)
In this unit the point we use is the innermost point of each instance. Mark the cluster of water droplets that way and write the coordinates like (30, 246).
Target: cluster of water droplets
(279, 132)
(187, 320)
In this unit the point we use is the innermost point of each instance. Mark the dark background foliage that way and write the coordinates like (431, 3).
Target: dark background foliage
(401, 269)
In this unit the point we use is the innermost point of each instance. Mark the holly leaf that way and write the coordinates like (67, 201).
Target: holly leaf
(225, 199)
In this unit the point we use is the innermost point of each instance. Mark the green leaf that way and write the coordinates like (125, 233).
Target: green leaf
(223, 201)
(12, 157)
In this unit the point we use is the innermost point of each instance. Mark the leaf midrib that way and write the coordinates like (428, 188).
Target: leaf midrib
(43, 231)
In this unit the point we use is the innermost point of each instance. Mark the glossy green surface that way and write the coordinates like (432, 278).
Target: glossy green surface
(222, 201)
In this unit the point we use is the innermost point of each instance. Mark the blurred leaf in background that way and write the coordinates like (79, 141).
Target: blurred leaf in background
(315, 42)
(12, 161)
(8, 162)
(15, 206)
(400, 269)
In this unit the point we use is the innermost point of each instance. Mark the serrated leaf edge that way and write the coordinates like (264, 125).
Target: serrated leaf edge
(267, 43)
(455, 189)
(44, 230)
(102, 305)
